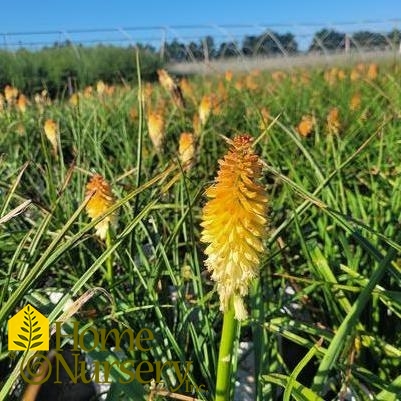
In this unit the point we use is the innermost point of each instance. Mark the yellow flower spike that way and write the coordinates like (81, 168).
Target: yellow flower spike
(175, 91)
(208, 104)
(278, 76)
(341, 75)
(205, 108)
(88, 91)
(156, 128)
(250, 83)
(109, 90)
(305, 78)
(234, 224)
(355, 102)
(196, 124)
(330, 76)
(10, 94)
(22, 103)
(355, 74)
(239, 83)
(37, 99)
(228, 75)
(74, 99)
(52, 133)
(45, 99)
(186, 150)
(187, 90)
(333, 120)
(165, 80)
(373, 71)
(101, 199)
(265, 117)
(147, 94)
(222, 94)
(100, 87)
(306, 125)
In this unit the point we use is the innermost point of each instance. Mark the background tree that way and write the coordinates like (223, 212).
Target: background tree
(229, 49)
(269, 43)
(327, 39)
(369, 40)
(209, 47)
(175, 51)
(288, 42)
(195, 51)
(395, 38)
(249, 44)
(273, 43)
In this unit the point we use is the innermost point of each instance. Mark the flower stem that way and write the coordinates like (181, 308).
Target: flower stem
(226, 353)
(109, 261)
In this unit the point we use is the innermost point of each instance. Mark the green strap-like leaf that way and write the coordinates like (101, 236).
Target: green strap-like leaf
(299, 391)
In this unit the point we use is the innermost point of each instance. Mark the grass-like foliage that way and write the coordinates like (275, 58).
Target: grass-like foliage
(324, 313)
(64, 66)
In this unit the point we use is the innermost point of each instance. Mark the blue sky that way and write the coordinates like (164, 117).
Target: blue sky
(66, 16)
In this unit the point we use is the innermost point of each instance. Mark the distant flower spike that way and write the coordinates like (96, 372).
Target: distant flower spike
(101, 199)
(208, 105)
(10, 94)
(156, 128)
(186, 150)
(174, 89)
(373, 71)
(100, 87)
(355, 102)
(333, 120)
(52, 133)
(306, 125)
(22, 103)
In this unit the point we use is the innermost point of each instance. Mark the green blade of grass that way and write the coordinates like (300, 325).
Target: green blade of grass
(297, 370)
(339, 340)
(299, 392)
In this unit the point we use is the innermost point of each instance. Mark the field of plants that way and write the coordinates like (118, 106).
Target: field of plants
(257, 210)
